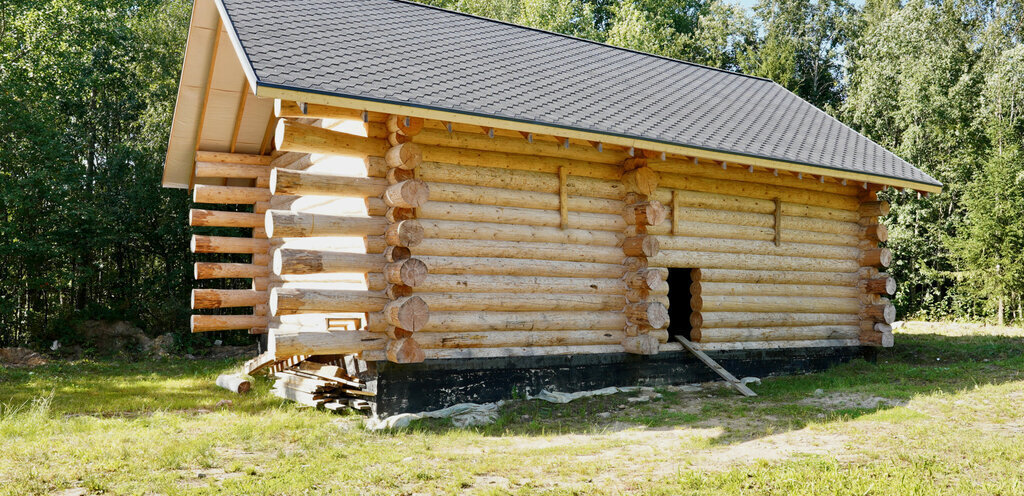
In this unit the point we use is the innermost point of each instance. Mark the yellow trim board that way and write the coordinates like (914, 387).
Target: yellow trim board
(392, 108)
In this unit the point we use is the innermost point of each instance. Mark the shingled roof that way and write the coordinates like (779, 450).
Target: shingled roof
(411, 54)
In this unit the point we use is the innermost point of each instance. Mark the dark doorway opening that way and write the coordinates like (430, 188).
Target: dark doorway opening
(679, 282)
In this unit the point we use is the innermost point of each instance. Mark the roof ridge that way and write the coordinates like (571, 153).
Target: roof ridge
(576, 38)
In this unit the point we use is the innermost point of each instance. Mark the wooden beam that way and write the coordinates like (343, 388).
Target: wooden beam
(238, 116)
(206, 99)
(563, 199)
(731, 379)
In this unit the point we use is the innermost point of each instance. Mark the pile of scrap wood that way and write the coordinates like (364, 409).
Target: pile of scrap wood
(321, 385)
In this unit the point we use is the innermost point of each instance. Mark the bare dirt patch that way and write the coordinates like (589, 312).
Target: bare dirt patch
(839, 401)
(20, 357)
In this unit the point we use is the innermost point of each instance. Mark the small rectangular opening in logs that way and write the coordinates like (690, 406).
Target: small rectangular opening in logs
(679, 295)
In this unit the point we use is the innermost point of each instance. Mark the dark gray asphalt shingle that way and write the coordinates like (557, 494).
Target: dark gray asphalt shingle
(407, 53)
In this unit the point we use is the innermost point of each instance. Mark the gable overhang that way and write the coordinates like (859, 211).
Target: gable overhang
(223, 106)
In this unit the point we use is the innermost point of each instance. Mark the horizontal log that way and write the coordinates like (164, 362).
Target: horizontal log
(209, 323)
(462, 283)
(677, 258)
(235, 158)
(714, 216)
(488, 174)
(514, 249)
(231, 170)
(746, 247)
(283, 224)
(285, 108)
(519, 267)
(291, 136)
(220, 218)
(709, 171)
(227, 244)
(700, 199)
(483, 195)
(518, 351)
(289, 261)
(767, 319)
(290, 182)
(466, 302)
(752, 289)
(284, 301)
(204, 193)
(769, 345)
(732, 334)
(523, 321)
(795, 304)
(215, 270)
(291, 342)
(445, 229)
(518, 338)
(730, 231)
(759, 190)
(519, 216)
(226, 298)
(776, 277)
(407, 233)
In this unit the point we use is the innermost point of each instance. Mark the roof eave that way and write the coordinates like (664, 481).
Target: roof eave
(266, 90)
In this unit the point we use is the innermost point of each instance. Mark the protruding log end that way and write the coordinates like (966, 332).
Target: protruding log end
(884, 313)
(696, 320)
(397, 333)
(876, 232)
(406, 156)
(642, 180)
(396, 253)
(878, 335)
(649, 213)
(874, 209)
(646, 279)
(696, 303)
(404, 351)
(409, 312)
(396, 175)
(643, 344)
(695, 289)
(695, 275)
(407, 194)
(635, 263)
(881, 285)
(406, 233)
(647, 313)
(640, 246)
(396, 291)
(394, 214)
(408, 272)
(876, 257)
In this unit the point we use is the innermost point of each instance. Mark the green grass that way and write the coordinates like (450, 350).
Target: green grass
(942, 413)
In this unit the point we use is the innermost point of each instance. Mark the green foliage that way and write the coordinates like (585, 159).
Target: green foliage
(88, 88)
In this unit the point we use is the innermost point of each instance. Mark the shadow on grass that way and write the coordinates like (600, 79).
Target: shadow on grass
(116, 387)
(920, 364)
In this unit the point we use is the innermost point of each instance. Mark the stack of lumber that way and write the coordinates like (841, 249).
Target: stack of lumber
(320, 385)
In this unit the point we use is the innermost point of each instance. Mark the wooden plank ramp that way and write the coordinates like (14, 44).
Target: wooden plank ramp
(731, 379)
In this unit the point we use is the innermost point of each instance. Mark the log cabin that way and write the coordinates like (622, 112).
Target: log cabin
(464, 208)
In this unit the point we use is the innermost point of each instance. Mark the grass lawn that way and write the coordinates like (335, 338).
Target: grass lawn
(941, 413)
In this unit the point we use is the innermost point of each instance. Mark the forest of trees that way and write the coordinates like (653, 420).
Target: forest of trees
(87, 88)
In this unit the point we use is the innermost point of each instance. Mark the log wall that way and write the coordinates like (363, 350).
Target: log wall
(432, 237)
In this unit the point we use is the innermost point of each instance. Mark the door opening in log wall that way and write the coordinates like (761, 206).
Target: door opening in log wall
(680, 293)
